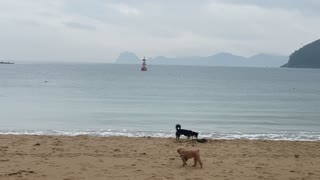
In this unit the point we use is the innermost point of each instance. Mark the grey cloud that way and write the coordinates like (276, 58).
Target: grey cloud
(79, 26)
(308, 7)
(160, 27)
(93, 8)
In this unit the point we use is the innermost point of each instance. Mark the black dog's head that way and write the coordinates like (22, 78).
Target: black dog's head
(195, 134)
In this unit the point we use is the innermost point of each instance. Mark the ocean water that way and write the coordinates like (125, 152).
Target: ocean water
(109, 100)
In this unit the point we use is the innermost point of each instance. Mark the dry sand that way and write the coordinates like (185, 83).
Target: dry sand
(95, 158)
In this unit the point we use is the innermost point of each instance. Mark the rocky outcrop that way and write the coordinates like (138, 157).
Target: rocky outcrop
(306, 57)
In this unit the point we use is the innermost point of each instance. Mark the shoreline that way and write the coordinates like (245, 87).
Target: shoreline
(298, 136)
(159, 137)
(118, 157)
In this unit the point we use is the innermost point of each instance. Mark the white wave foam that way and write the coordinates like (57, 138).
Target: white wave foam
(297, 136)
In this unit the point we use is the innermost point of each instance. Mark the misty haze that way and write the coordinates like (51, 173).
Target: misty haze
(124, 89)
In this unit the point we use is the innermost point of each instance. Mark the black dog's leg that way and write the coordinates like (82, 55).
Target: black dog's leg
(177, 136)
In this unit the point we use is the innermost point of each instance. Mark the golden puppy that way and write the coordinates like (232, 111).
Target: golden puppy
(188, 154)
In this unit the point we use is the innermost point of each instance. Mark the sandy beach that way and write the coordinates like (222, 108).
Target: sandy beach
(95, 158)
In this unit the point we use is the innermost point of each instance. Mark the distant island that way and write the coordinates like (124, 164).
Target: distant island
(306, 57)
(220, 59)
(128, 58)
(6, 62)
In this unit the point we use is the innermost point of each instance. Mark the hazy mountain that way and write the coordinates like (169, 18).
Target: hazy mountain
(128, 58)
(220, 59)
(306, 57)
(266, 60)
(225, 59)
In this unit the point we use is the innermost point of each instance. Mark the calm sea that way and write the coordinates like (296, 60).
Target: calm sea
(107, 100)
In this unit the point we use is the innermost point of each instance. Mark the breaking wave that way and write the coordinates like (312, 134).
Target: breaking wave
(289, 136)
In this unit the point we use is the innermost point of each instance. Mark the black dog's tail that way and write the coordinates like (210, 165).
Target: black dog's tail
(178, 126)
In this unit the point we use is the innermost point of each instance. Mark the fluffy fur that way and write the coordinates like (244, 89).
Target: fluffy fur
(189, 154)
(185, 132)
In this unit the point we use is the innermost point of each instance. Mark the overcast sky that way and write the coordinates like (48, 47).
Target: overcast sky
(98, 30)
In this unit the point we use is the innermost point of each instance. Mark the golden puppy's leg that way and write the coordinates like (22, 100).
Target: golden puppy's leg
(184, 160)
(184, 163)
(197, 158)
(195, 161)
(200, 162)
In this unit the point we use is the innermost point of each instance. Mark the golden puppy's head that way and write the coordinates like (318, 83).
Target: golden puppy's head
(180, 149)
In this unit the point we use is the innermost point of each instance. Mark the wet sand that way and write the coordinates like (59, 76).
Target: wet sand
(94, 158)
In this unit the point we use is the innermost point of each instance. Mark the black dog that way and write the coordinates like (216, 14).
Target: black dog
(185, 132)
